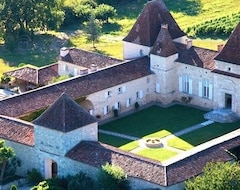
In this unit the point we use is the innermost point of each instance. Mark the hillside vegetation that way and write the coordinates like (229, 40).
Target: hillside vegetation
(197, 17)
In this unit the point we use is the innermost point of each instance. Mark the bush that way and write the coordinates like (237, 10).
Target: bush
(80, 181)
(5, 79)
(41, 186)
(104, 12)
(112, 177)
(13, 187)
(137, 105)
(34, 176)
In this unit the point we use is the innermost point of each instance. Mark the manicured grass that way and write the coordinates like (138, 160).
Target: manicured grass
(112, 140)
(209, 132)
(159, 154)
(179, 143)
(130, 146)
(156, 119)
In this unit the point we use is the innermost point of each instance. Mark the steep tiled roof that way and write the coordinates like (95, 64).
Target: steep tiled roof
(148, 24)
(64, 115)
(231, 51)
(86, 59)
(164, 45)
(35, 75)
(25, 73)
(75, 87)
(195, 56)
(45, 74)
(97, 154)
(16, 130)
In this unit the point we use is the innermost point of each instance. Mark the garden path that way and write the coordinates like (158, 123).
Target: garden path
(163, 140)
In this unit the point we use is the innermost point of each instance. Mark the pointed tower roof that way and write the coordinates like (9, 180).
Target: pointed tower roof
(164, 45)
(64, 115)
(148, 24)
(231, 51)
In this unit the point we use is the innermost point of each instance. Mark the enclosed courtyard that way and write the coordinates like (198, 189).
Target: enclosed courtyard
(170, 131)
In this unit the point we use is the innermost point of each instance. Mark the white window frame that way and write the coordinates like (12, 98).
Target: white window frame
(139, 94)
(108, 94)
(128, 102)
(185, 84)
(121, 89)
(117, 105)
(205, 89)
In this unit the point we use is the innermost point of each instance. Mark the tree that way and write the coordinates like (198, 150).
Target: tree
(19, 17)
(112, 177)
(93, 29)
(6, 153)
(217, 176)
(103, 12)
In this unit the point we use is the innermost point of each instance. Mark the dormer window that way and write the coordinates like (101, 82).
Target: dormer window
(121, 90)
(108, 94)
(229, 68)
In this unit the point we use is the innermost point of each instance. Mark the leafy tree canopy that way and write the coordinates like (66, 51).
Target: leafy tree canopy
(18, 17)
(217, 176)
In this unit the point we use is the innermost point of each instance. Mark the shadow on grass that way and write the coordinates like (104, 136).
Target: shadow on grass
(111, 27)
(42, 50)
(188, 7)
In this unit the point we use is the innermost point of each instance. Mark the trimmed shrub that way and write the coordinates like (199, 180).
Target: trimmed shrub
(112, 177)
(34, 176)
(13, 187)
(80, 181)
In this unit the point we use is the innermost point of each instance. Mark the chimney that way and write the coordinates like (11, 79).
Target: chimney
(64, 51)
(189, 43)
(220, 47)
(165, 26)
(83, 71)
(93, 67)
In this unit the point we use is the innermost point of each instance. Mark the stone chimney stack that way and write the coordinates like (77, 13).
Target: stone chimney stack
(220, 47)
(64, 51)
(93, 67)
(189, 43)
(165, 26)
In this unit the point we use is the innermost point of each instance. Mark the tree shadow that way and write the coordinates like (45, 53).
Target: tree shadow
(108, 28)
(41, 50)
(96, 50)
(187, 7)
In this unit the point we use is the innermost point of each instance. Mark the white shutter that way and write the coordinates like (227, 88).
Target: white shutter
(75, 72)
(91, 112)
(157, 87)
(200, 88)
(180, 84)
(210, 91)
(105, 110)
(116, 105)
(190, 86)
(140, 94)
(123, 88)
(106, 94)
(128, 102)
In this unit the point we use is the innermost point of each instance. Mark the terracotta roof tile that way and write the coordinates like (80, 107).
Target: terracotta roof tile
(231, 51)
(38, 76)
(24, 73)
(75, 87)
(16, 130)
(164, 45)
(196, 56)
(97, 154)
(64, 115)
(148, 24)
(86, 59)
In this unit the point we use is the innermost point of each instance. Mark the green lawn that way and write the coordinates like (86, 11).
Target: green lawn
(207, 133)
(156, 119)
